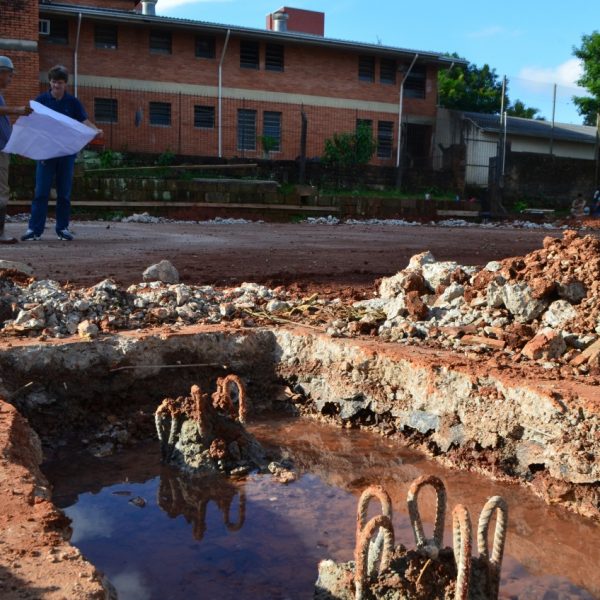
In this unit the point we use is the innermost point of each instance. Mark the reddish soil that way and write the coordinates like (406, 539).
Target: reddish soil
(335, 260)
(316, 256)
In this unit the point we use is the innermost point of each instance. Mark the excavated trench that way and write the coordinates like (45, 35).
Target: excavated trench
(98, 397)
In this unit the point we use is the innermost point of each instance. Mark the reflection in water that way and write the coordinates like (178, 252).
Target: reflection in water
(131, 585)
(181, 495)
(250, 539)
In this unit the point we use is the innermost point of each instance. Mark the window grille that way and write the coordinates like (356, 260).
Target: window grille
(249, 55)
(366, 68)
(272, 129)
(105, 36)
(205, 46)
(246, 129)
(160, 42)
(204, 117)
(106, 110)
(274, 57)
(385, 139)
(160, 113)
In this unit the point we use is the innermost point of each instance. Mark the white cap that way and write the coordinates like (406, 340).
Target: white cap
(6, 64)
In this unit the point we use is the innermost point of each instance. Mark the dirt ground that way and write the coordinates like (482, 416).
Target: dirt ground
(340, 259)
(327, 257)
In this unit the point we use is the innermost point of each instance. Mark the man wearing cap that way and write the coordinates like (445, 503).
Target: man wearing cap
(6, 72)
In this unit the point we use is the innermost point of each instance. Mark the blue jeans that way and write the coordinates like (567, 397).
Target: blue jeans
(62, 169)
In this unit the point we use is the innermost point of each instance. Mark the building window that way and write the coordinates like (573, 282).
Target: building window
(105, 36)
(246, 129)
(160, 113)
(366, 68)
(249, 56)
(272, 130)
(387, 70)
(414, 86)
(205, 46)
(274, 57)
(204, 117)
(160, 42)
(385, 137)
(106, 110)
(59, 31)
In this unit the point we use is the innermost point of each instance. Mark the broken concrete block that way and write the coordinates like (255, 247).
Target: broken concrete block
(404, 281)
(277, 306)
(162, 271)
(439, 273)
(518, 299)
(453, 291)
(87, 329)
(558, 314)
(16, 266)
(418, 260)
(573, 291)
(547, 344)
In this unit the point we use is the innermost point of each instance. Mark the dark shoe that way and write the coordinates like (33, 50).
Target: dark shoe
(66, 235)
(29, 235)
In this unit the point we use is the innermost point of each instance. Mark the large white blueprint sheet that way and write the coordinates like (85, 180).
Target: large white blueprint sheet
(46, 134)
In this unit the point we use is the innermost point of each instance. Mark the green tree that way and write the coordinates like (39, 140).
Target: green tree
(470, 88)
(350, 149)
(589, 54)
(518, 109)
(474, 89)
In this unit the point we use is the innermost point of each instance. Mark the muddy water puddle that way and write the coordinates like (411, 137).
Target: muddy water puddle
(161, 536)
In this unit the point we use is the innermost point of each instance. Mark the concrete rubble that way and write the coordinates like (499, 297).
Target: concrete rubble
(501, 307)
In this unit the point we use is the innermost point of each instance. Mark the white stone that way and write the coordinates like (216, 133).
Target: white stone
(520, 302)
(559, 313)
(162, 271)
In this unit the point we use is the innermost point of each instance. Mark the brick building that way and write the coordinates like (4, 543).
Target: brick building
(155, 83)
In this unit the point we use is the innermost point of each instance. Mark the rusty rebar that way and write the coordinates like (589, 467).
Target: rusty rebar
(428, 547)
(463, 542)
(494, 563)
(373, 491)
(361, 551)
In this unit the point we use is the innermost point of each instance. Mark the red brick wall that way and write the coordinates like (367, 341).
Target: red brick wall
(19, 21)
(330, 73)
(308, 70)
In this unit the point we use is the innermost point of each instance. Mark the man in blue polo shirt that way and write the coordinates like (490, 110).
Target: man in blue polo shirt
(6, 73)
(60, 168)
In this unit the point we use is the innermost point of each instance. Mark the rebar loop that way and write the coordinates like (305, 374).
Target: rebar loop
(494, 564)
(376, 546)
(361, 552)
(429, 547)
(222, 397)
(462, 542)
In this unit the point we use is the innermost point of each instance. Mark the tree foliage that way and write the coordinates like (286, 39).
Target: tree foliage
(518, 109)
(589, 54)
(470, 88)
(350, 149)
(473, 89)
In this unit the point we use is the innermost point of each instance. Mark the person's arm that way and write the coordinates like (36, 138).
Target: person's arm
(15, 110)
(99, 132)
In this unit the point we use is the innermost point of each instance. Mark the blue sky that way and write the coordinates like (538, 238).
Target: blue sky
(529, 41)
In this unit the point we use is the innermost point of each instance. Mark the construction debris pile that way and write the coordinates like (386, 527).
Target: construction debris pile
(381, 570)
(542, 307)
(202, 434)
